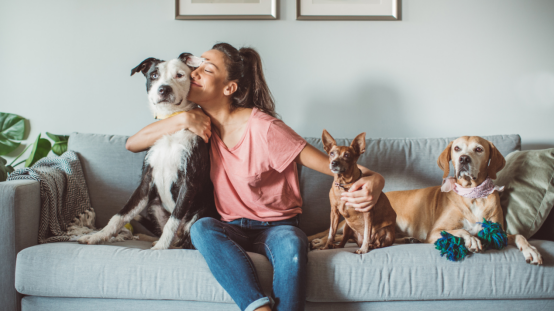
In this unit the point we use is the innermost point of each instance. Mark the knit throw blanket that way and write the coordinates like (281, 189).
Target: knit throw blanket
(66, 213)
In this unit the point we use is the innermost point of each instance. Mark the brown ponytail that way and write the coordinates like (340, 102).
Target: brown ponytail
(245, 66)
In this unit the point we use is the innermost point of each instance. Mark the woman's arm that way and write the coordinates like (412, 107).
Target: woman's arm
(362, 195)
(194, 120)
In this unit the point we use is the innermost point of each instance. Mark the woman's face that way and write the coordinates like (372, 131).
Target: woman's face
(209, 81)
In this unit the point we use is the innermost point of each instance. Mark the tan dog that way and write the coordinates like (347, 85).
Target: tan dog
(423, 213)
(370, 230)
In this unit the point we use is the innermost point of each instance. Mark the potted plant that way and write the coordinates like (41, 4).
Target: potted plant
(12, 130)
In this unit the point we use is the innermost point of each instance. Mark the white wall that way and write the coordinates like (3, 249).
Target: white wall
(449, 68)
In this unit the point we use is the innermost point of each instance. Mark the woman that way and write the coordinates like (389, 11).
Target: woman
(253, 169)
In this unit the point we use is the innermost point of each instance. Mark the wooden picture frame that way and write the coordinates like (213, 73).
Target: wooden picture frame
(226, 9)
(349, 10)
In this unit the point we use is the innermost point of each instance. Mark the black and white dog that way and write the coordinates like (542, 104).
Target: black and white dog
(175, 186)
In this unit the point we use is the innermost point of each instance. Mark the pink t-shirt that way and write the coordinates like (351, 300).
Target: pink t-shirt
(257, 178)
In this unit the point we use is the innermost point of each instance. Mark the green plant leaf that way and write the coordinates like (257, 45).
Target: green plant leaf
(3, 170)
(6, 145)
(12, 126)
(57, 138)
(41, 148)
(59, 148)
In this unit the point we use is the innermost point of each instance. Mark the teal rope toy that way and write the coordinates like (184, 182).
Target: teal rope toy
(451, 246)
(492, 236)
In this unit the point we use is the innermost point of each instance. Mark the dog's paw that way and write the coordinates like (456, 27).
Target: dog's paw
(90, 240)
(159, 246)
(316, 243)
(473, 244)
(531, 255)
(361, 251)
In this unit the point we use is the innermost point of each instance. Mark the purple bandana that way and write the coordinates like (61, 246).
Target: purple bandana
(485, 189)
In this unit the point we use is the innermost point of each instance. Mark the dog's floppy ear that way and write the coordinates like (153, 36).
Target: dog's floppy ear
(358, 144)
(145, 66)
(328, 141)
(497, 161)
(444, 160)
(190, 60)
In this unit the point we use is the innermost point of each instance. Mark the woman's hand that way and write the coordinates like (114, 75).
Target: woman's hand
(197, 122)
(364, 193)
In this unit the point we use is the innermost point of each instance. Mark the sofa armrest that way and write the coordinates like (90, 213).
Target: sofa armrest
(19, 221)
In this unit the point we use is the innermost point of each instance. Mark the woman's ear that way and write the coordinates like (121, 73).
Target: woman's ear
(230, 88)
(444, 160)
(497, 161)
(328, 141)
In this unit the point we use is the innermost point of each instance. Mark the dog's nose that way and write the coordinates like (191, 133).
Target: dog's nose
(164, 90)
(334, 163)
(464, 159)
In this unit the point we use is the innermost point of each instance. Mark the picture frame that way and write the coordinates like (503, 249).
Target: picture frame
(226, 9)
(349, 10)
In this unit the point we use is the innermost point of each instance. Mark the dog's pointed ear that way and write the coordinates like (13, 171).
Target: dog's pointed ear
(191, 60)
(496, 161)
(444, 160)
(358, 144)
(145, 66)
(328, 141)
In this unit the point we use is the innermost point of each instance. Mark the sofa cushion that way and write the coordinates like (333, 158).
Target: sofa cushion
(127, 270)
(405, 164)
(417, 272)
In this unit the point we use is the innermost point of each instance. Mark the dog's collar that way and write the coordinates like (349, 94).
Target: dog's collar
(483, 190)
(167, 116)
(342, 186)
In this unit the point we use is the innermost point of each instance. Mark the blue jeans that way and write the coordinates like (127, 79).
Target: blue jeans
(224, 246)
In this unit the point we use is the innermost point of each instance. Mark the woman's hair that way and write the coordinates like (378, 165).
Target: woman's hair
(245, 66)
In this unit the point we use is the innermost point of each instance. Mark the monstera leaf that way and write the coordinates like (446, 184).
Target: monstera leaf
(12, 127)
(60, 143)
(41, 148)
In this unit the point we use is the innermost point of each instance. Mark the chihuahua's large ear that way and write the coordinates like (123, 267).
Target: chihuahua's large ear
(497, 161)
(145, 66)
(328, 141)
(444, 160)
(191, 60)
(358, 144)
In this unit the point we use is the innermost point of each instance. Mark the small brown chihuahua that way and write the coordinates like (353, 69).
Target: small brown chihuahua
(370, 230)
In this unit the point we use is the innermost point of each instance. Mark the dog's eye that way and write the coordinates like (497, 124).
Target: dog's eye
(346, 155)
(332, 154)
(154, 75)
(179, 75)
(457, 149)
(478, 150)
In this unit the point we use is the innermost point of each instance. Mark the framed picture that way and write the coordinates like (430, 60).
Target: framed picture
(226, 9)
(388, 10)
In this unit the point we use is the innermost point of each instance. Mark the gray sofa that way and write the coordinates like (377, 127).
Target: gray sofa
(129, 276)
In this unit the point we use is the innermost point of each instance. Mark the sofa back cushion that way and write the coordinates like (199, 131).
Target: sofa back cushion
(112, 173)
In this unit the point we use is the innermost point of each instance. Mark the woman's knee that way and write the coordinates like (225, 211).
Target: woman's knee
(291, 243)
(203, 228)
